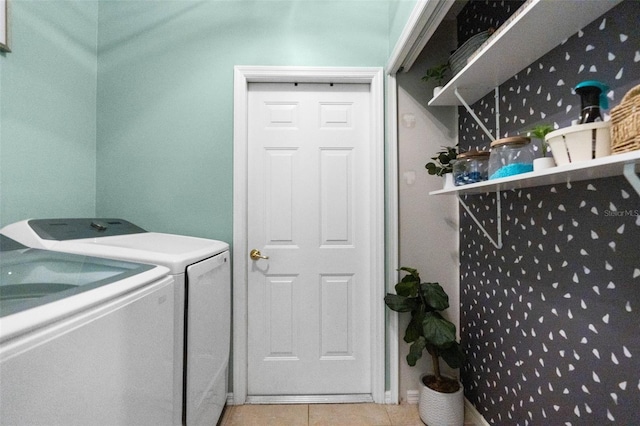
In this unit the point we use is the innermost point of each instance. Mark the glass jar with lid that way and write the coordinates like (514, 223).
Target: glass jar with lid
(471, 167)
(510, 156)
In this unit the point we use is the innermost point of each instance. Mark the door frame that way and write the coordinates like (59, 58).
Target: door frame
(243, 75)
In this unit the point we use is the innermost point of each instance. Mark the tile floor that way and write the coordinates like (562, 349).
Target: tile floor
(322, 415)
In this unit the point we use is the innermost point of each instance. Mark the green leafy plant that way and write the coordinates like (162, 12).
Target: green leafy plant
(437, 73)
(442, 161)
(539, 132)
(428, 329)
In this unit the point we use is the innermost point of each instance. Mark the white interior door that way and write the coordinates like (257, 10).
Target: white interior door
(309, 210)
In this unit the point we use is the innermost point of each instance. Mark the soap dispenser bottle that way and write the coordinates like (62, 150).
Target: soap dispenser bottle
(593, 98)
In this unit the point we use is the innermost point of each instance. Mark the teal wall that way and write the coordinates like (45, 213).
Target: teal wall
(125, 108)
(165, 95)
(47, 111)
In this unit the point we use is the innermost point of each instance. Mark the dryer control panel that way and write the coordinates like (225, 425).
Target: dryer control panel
(74, 229)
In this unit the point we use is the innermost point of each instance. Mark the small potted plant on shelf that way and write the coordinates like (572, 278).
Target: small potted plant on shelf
(539, 132)
(442, 164)
(441, 397)
(437, 73)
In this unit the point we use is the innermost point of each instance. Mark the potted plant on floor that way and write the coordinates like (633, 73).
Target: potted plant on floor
(442, 164)
(441, 398)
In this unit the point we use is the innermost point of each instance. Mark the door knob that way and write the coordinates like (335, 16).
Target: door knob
(256, 255)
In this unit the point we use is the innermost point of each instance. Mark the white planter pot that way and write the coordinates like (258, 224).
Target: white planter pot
(437, 90)
(543, 163)
(447, 181)
(441, 409)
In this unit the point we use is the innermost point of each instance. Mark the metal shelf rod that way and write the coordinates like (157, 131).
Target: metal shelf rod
(497, 244)
(629, 171)
(473, 114)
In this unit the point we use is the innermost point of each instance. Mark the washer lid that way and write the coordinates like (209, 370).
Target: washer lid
(7, 244)
(32, 277)
(121, 240)
(176, 252)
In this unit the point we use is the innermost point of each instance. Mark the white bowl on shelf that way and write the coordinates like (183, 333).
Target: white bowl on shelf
(581, 142)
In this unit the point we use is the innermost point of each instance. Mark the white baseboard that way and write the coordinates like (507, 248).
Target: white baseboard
(305, 399)
(413, 396)
(473, 416)
(310, 399)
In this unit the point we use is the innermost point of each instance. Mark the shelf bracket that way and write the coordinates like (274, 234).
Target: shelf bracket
(497, 244)
(473, 114)
(629, 171)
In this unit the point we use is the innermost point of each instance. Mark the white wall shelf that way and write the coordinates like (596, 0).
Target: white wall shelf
(538, 27)
(613, 165)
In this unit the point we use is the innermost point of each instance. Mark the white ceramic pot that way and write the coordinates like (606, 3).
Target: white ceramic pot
(441, 409)
(447, 181)
(543, 163)
(437, 90)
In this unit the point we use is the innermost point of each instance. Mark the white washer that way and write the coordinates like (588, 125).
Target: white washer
(65, 357)
(202, 273)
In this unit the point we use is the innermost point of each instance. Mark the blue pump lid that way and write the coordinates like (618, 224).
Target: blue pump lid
(604, 101)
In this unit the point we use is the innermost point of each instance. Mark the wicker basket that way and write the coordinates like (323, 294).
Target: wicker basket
(625, 123)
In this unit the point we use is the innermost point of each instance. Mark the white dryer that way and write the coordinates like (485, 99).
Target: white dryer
(202, 273)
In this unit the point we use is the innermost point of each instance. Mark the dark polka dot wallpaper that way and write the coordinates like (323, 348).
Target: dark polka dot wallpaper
(478, 16)
(551, 322)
